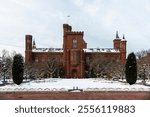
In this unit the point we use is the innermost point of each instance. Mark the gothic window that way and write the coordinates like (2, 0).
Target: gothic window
(75, 57)
(74, 43)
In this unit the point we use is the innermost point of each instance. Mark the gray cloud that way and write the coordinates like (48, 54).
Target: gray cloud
(99, 19)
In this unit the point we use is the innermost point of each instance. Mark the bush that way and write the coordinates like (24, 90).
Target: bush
(131, 69)
(18, 69)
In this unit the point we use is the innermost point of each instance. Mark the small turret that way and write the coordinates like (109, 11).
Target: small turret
(28, 39)
(123, 37)
(123, 49)
(34, 45)
(117, 37)
(117, 41)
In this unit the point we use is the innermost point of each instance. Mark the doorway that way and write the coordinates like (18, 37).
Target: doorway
(74, 73)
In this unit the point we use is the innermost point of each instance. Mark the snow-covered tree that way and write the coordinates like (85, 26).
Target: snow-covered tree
(96, 66)
(131, 69)
(104, 67)
(18, 69)
(5, 64)
(51, 66)
(143, 65)
(29, 71)
(116, 70)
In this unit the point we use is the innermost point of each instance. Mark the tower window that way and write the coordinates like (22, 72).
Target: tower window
(74, 43)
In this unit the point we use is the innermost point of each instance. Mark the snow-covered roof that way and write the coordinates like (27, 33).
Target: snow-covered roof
(123, 40)
(47, 50)
(108, 50)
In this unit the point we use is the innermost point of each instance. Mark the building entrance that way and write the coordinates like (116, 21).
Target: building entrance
(74, 73)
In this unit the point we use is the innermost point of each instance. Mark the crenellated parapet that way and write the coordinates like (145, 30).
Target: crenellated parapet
(75, 33)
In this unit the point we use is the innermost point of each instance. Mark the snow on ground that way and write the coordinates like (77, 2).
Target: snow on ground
(57, 84)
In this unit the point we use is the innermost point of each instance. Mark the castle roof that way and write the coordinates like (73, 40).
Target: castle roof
(47, 50)
(89, 50)
(102, 50)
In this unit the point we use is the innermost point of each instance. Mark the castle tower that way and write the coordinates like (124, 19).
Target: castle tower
(73, 54)
(28, 49)
(34, 45)
(121, 45)
(66, 28)
(117, 41)
(123, 49)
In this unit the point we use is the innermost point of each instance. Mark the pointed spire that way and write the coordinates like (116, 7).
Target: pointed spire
(123, 37)
(34, 45)
(117, 35)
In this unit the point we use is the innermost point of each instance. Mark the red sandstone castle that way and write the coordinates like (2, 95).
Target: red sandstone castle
(74, 53)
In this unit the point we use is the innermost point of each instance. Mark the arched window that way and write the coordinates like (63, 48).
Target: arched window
(74, 43)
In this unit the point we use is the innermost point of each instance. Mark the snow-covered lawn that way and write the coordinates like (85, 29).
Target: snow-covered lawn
(56, 84)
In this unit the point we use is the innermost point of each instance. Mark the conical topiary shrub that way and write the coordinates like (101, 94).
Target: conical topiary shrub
(131, 69)
(18, 69)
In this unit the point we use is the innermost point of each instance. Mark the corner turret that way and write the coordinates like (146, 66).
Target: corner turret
(123, 49)
(67, 28)
(121, 45)
(34, 45)
(117, 36)
(123, 37)
(117, 41)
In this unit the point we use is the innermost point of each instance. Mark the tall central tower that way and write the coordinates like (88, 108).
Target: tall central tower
(73, 54)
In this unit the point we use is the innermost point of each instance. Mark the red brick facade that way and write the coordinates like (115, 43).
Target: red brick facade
(74, 52)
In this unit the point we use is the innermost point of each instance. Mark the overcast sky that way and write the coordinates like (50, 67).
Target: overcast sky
(99, 19)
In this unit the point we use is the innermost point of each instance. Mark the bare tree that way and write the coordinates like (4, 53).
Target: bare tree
(6, 64)
(98, 66)
(29, 71)
(116, 69)
(51, 65)
(143, 65)
(104, 67)
(141, 54)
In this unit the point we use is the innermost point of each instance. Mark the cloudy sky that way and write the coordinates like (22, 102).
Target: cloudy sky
(99, 19)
